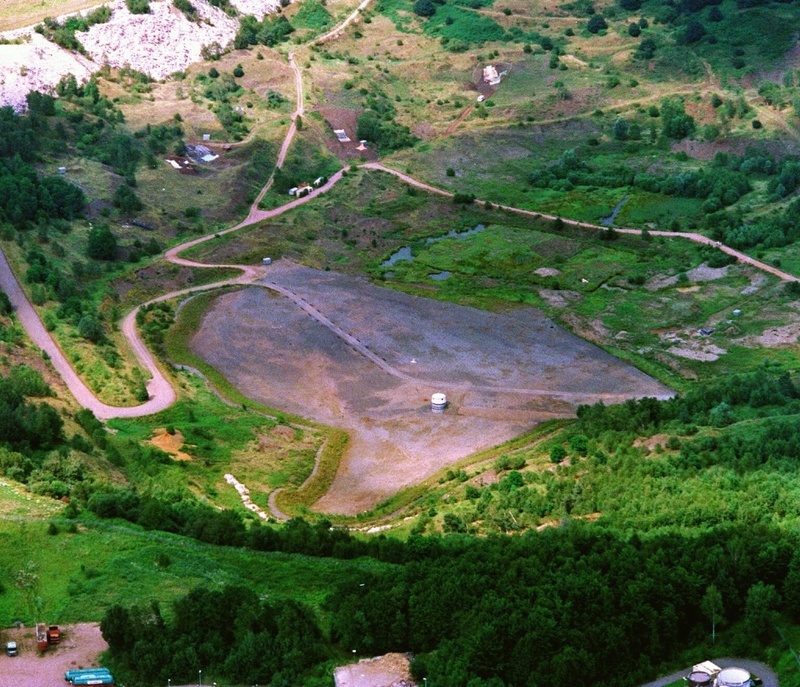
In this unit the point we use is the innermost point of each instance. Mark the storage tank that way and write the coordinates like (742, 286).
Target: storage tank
(699, 678)
(438, 403)
(733, 677)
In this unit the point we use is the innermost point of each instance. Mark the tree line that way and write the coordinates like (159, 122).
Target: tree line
(575, 605)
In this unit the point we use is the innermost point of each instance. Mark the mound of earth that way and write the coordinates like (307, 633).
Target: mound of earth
(159, 43)
(37, 65)
(390, 670)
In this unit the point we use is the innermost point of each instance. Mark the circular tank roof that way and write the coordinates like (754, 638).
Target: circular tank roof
(700, 678)
(733, 677)
(438, 398)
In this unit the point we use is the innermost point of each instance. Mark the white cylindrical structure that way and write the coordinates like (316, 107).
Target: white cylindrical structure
(733, 677)
(698, 678)
(438, 403)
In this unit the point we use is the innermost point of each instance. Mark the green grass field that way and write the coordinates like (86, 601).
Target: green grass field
(80, 575)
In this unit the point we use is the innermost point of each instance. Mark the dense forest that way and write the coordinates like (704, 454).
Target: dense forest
(575, 605)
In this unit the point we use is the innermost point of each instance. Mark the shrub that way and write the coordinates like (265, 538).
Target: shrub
(557, 453)
(138, 6)
(102, 243)
(634, 30)
(126, 200)
(596, 24)
(424, 8)
(187, 8)
(238, 71)
(450, 172)
(646, 49)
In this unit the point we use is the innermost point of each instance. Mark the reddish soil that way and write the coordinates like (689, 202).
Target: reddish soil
(80, 647)
(344, 118)
(373, 367)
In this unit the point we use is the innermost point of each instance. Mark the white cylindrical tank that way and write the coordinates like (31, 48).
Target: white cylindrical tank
(698, 678)
(438, 403)
(733, 677)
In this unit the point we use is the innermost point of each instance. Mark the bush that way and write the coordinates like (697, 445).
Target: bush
(89, 328)
(138, 6)
(102, 244)
(187, 8)
(646, 49)
(424, 8)
(238, 71)
(126, 200)
(596, 24)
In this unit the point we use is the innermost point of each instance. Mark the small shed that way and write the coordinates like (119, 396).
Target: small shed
(206, 137)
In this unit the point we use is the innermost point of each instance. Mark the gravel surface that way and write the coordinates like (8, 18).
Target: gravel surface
(80, 647)
(370, 359)
(159, 43)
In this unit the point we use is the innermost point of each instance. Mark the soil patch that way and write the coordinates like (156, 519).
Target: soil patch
(776, 336)
(560, 299)
(345, 119)
(391, 670)
(373, 367)
(80, 647)
(170, 443)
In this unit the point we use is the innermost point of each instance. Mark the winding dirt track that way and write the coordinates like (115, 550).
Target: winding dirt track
(160, 389)
(162, 394)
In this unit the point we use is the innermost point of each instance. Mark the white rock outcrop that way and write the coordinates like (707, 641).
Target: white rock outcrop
(37, 65)
(159, 43)
(258, 8)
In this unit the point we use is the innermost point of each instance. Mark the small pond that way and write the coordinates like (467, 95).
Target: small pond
(404, 253)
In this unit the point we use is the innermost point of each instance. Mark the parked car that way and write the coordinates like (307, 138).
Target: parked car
(11, 648)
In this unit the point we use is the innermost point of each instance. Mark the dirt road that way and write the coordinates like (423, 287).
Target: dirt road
(697, 238)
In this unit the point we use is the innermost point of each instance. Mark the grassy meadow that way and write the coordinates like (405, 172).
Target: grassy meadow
(75, 577)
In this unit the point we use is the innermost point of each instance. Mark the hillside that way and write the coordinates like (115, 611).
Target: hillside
(253, 238)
